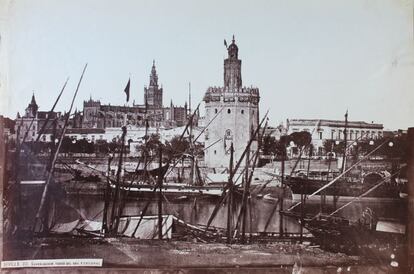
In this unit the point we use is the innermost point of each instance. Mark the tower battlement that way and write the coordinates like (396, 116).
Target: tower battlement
(91, 103)
(222, 94)
(251, 90)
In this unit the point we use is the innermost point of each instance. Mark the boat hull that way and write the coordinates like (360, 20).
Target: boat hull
(176, 190)
(343, 188)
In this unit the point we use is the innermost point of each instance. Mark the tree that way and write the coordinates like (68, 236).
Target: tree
(66, 146)
(112, 146)
(269, 145)
(398, 148)
(176, 147)
(331, 146)
(82, 146)
(102, 146)
(301, 139)
(279, 147)
(153, 143)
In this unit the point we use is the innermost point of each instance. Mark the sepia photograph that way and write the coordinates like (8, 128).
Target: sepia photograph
(155, 136)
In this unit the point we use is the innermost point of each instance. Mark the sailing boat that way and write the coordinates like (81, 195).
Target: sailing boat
(343, 234)
(141, 181)
(301, 182)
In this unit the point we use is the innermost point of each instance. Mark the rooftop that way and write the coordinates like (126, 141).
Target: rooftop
(333, 123)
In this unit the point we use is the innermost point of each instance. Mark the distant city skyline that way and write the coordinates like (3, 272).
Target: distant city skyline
(309, 60)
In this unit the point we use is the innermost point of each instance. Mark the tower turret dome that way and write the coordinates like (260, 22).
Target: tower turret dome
(233, 50)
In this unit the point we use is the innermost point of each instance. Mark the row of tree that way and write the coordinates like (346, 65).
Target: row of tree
(171, 149)
(300, 142)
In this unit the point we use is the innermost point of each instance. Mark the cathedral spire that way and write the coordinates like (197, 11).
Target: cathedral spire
(32, 108)
(153, 76)
(33, 102)
(153, 93)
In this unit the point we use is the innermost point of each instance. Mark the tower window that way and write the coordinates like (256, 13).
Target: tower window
(242, 111)
(215, 110)
(215, 152)
(228, 111)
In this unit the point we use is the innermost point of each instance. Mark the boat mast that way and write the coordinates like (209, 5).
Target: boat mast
(160, 179)
(343, 164)
(246, 192)
(230, 197)
(190, 139)
(49, 177)
(145, 177)
(303, 195)
(345, 141)
(115, 207)
(51, 111)
(144, 210)
(231, 175)
(106, 198)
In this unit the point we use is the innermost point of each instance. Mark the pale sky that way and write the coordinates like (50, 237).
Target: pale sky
(310, 59)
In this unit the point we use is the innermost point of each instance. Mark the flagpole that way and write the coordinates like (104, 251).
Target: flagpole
(189, 97)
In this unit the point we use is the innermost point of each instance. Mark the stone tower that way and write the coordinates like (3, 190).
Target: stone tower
(232, 68)
(237, 110)
(90, 113)
(32, 108)
(152, 93)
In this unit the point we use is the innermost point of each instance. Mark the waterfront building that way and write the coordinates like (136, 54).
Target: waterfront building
(237, 111)
(8, 126)
(322, 130)
(33, 120)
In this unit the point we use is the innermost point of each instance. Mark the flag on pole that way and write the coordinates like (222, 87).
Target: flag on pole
(126, 90)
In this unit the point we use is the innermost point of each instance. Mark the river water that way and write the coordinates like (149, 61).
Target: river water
(197, 210)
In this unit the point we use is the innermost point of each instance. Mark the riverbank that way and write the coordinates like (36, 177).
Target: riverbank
(155, 254)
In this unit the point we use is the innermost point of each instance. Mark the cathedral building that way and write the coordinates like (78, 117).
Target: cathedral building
(98, 115)
(234, 112)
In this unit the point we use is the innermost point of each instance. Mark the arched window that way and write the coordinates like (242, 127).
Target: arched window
(228, 111)
(242, 111)
(215, 110)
